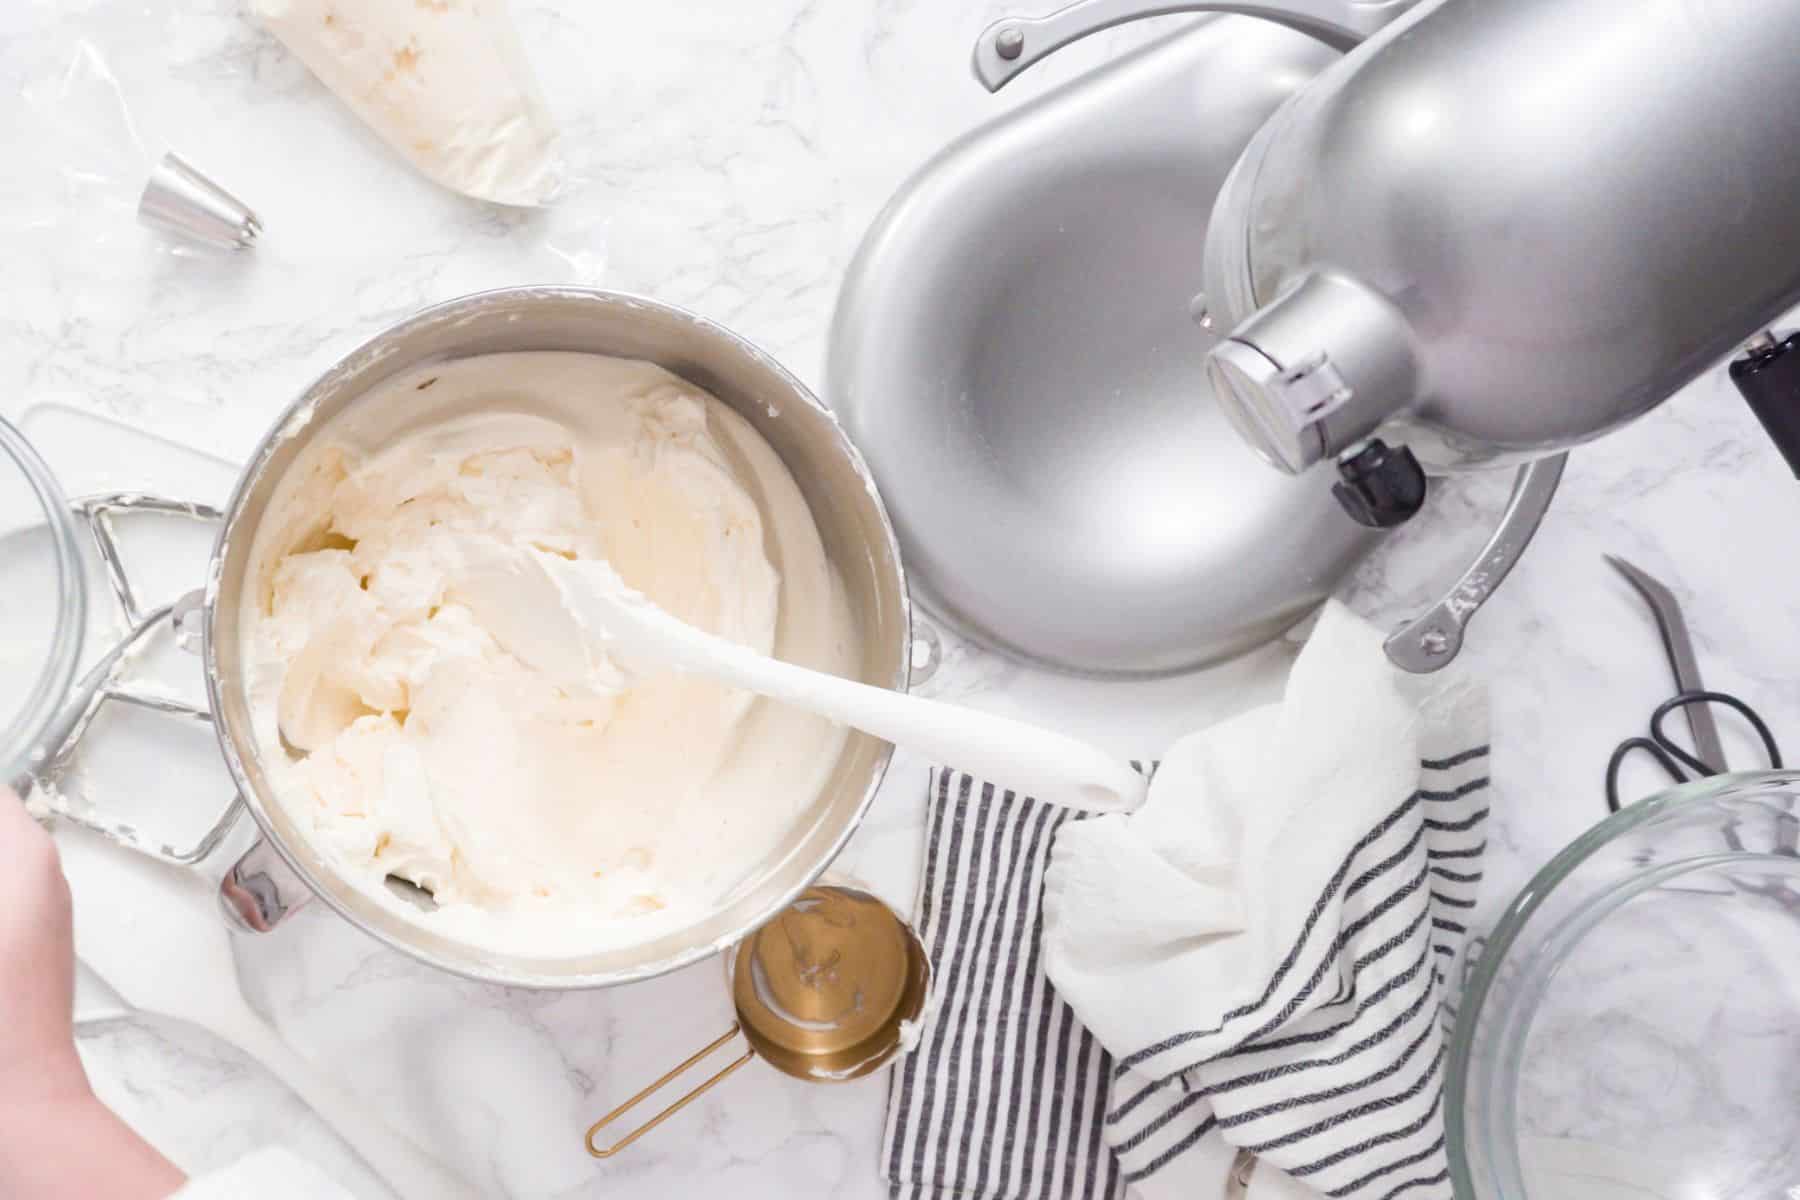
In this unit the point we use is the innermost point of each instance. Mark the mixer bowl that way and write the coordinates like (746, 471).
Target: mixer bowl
(831, 476)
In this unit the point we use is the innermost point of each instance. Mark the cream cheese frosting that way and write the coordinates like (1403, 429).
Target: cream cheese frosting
(547, 813)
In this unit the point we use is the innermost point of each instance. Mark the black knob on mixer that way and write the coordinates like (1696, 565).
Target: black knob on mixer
(1380, 486)
(1769, 377)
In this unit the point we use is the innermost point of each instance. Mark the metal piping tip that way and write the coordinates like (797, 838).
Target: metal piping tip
(180, 201)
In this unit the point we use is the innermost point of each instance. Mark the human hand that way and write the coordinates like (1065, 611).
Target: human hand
(38, 1063)
(56, 1138)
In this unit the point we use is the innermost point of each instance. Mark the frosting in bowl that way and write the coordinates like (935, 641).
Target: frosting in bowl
(402, 738)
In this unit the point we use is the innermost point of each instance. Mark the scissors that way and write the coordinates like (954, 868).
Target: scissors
(1691, 696)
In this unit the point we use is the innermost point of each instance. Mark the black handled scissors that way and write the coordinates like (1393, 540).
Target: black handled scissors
(1692, 697)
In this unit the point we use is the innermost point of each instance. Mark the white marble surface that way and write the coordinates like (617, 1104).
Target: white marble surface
(727, 156)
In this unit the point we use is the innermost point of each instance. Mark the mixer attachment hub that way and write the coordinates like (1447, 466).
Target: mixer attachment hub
(1381, 486)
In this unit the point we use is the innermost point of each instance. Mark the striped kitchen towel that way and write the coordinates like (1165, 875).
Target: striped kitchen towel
(1015, 1099)
(1347, 1097)
(1005, 1093)
(1263, 946)
(1307, 1037)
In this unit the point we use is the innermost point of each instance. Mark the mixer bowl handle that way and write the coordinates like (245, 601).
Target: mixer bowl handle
(260, 890)
(1007, 47)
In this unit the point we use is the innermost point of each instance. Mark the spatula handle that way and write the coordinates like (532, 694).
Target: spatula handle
(1023, 757)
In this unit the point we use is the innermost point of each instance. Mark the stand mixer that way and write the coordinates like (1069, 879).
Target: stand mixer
(1489, 233)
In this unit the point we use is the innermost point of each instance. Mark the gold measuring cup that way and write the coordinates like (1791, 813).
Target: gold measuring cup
(823, 993)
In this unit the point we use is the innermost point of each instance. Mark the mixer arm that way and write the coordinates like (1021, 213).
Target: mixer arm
(1007, 47)
(1432, 640)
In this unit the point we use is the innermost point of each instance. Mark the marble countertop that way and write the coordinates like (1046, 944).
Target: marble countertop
(726, 158)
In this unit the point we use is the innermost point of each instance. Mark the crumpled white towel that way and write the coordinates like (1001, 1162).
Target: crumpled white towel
(1262, 947)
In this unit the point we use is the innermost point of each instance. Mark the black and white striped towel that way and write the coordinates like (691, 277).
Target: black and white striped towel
(1270, 981)
(1004, 1096)
(1344, 1096)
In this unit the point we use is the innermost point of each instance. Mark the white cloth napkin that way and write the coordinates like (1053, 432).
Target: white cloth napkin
(1262, 947)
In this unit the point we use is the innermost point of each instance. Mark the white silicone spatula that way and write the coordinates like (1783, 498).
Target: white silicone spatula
(154, 934)
(577, 621)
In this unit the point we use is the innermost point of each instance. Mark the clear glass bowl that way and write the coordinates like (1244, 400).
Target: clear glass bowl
(43, 602)
(1631, 1028)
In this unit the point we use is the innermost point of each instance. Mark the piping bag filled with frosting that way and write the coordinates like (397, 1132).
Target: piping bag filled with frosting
(444, 82)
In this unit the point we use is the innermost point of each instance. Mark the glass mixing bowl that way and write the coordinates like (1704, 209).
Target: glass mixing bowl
(43, 602)
(1632, 1026)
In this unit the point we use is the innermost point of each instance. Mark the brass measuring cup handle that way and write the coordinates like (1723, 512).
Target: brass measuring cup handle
(692, 1094)
(836, 946)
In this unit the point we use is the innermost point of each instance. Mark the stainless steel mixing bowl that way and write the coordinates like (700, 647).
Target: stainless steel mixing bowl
(284, 870)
